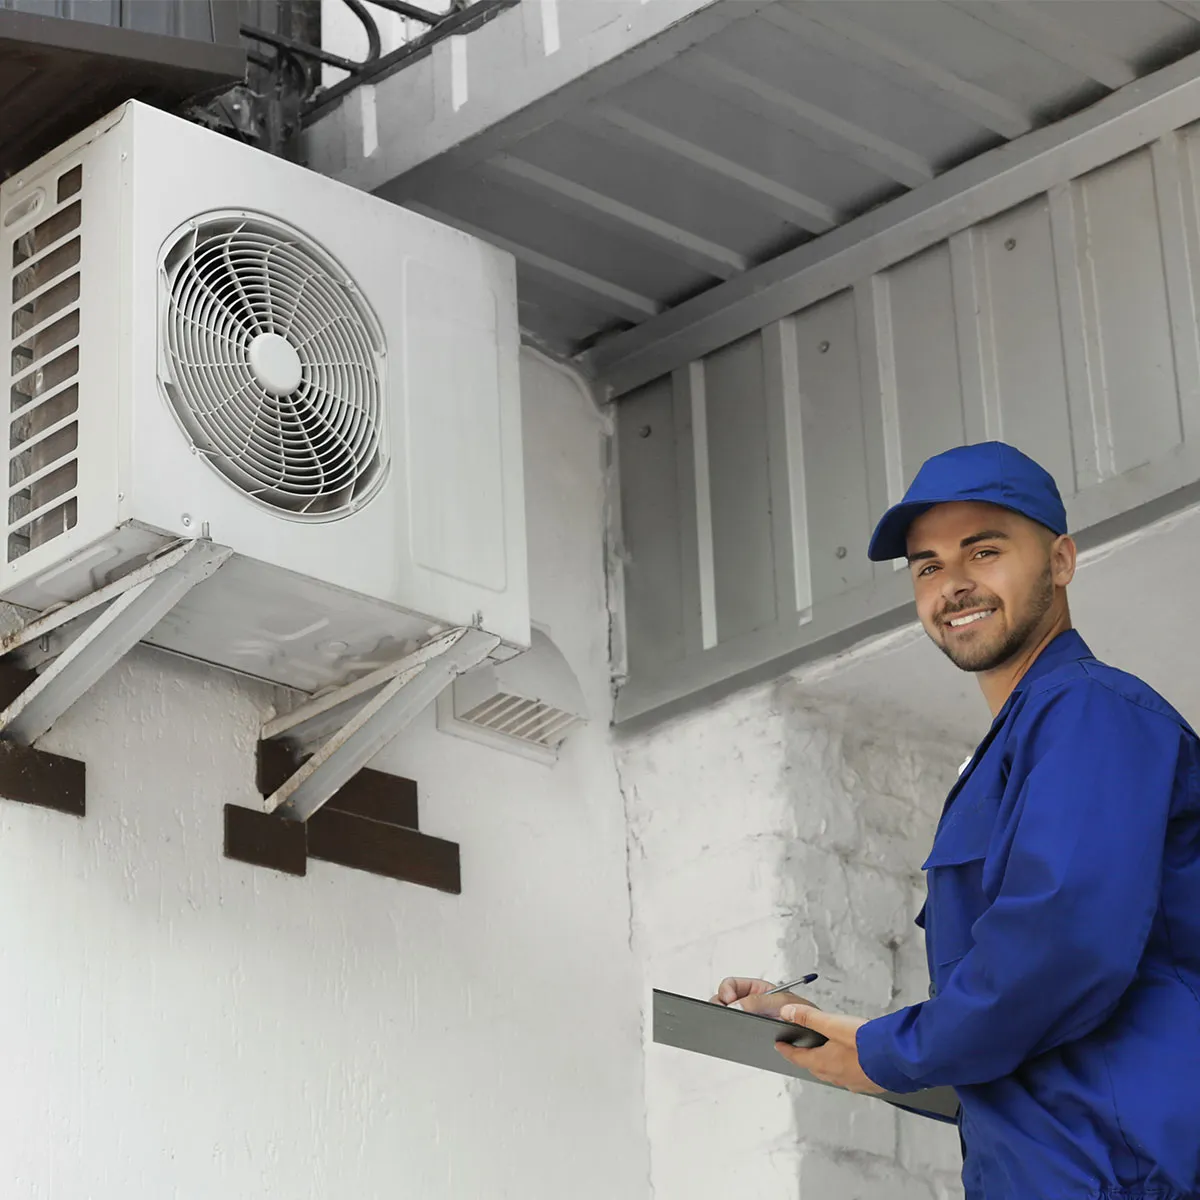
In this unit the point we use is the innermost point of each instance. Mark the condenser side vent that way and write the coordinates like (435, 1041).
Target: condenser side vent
(532, 721)
(43, 427)
(528, 705)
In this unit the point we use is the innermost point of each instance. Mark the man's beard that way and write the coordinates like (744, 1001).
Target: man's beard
(979, 658)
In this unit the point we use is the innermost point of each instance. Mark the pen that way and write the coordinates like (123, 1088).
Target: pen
(783, 987)
(787, 987)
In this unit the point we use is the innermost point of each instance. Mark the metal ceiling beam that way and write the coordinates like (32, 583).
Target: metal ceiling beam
(794, 206)
(992, 183)
(826, 25)
(800, 116)
(1037, 29)
(678, 243)
(608, 296)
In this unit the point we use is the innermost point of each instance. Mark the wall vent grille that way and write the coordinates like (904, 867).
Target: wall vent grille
(531, 721)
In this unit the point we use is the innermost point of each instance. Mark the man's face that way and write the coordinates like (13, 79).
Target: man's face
(985, 580)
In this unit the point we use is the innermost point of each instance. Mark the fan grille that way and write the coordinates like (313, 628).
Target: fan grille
(273, 365)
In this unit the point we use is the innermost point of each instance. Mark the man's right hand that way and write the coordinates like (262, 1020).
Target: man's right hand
(747, 994)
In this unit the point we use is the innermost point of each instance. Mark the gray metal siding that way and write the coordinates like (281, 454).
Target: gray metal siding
(830, 401)
(1066, 325)
(1137, 390)
(924, 351)
(1019, 355)
(647, 446)
(743, 591)
(175, 18)
(199, 20)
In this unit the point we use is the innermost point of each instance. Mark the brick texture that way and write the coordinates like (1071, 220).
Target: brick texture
(770, 836)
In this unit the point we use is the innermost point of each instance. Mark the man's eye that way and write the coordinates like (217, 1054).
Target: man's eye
(926, 570)
(982, 553)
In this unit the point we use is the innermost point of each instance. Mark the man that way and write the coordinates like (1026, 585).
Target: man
(1062, 924)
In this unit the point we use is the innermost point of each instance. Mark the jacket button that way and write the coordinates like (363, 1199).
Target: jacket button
(932, 990)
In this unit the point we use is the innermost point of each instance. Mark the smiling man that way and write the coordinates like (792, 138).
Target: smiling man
(1062, 924)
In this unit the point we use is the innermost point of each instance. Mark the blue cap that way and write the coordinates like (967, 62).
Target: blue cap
(986, 473)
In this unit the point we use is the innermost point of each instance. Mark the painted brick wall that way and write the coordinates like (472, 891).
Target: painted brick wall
(771, 836)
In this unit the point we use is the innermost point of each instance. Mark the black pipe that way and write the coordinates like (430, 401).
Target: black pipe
(302, 52)
(285, 43)
(458, 22)
(299, 57)
(368, 23)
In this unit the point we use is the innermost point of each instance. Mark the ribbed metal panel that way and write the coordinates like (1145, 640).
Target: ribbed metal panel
(751, 476)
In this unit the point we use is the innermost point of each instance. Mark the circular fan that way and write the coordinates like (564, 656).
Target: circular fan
(273, 365)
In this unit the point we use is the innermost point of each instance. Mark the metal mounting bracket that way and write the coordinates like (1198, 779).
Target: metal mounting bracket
(403, 689)
(135, 604)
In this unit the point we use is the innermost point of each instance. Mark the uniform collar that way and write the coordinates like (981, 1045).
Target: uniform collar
(1066, 648)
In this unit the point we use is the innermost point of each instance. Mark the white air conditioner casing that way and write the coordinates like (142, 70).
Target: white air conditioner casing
(103, 471)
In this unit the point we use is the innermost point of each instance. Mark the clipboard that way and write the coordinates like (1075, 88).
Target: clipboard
(750, 1038)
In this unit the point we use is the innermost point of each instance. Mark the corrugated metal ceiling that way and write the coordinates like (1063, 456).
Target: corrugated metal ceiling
(789, 122)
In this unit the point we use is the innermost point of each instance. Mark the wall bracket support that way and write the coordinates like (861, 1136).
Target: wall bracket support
(129, 608)
(402, 690)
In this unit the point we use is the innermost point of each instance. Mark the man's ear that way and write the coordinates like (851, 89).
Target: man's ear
(1063, 556)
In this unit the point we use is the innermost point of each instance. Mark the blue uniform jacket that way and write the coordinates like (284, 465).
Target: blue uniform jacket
(1062, 929)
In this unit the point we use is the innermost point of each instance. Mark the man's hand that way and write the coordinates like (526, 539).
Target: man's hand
(835, 1062)
(747, 994)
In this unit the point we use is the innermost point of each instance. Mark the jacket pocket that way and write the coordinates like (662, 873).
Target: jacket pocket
(964, 836)
(954, 872)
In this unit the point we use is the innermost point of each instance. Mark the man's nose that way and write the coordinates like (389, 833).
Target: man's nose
(956, 584)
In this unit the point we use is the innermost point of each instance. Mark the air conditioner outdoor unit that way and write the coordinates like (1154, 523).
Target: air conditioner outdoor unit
(208, 342)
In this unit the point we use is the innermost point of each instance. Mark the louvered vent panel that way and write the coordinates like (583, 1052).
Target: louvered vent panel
(527, 720)
(43, 437)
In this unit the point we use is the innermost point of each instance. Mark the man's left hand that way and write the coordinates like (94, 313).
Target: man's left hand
(835, 1062)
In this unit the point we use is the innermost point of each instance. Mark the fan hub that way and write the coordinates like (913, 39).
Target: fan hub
(275, 364)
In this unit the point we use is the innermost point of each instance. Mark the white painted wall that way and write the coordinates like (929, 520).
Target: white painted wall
(773, 835)
(176, 1025)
